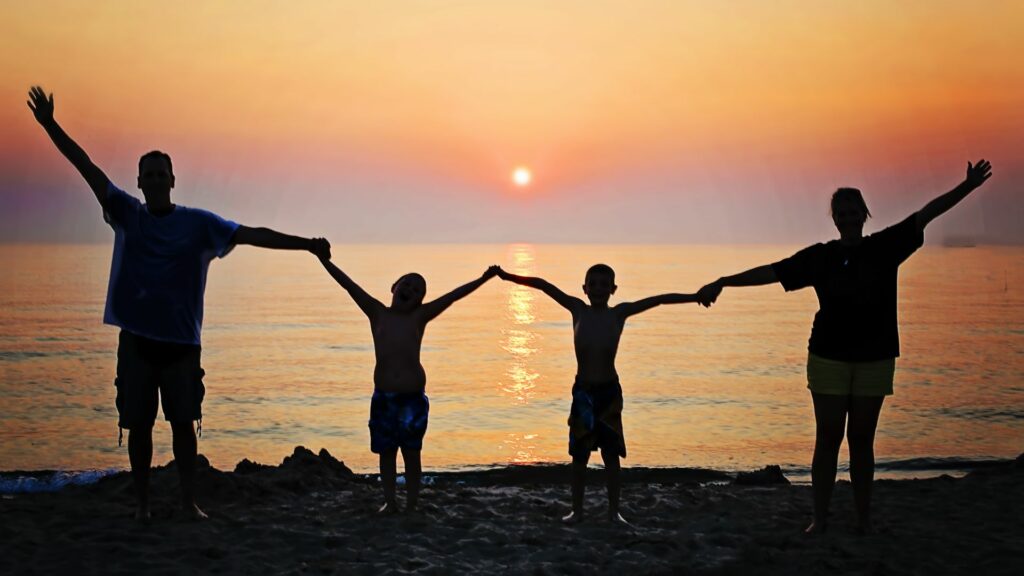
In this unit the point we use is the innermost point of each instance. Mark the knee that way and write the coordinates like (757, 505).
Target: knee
(860, 440)
(183, 430)
(829, 438)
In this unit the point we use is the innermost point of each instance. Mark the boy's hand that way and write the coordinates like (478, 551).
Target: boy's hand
(707, 295)
(41, 105)
(320, 248)
(491, 272)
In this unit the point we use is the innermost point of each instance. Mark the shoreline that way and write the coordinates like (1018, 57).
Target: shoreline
(311, 514)
(923, 468)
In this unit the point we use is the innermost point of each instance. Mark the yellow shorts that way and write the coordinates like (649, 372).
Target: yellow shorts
(840, 378)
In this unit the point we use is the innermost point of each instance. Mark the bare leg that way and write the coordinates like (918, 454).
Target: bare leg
(579, 482)
(140, 455)
(830, 419)
(388, 474)
(185, 459)
(413, 474)
(611, 468)
(860, 434)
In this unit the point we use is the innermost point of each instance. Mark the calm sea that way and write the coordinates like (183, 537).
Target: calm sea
(289, 358)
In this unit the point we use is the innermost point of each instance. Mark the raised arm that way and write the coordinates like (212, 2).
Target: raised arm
(267, 238)
(42, 107)
(630, 308)
(570, 303)
(434, 308)
(754, 277)
(368, 304)
(976, 176)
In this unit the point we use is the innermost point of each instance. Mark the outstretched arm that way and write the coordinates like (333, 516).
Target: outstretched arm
(368, 304)
(630, 308)
(434, 308)
(754, 277)
(42, 107)
(976, 176)
(570, 303)
(267, 238)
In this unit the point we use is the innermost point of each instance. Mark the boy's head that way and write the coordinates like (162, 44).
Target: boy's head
(156, 174)
(408, 291)
(599, 283)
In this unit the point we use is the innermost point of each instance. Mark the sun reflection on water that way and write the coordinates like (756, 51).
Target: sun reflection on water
(519, 340)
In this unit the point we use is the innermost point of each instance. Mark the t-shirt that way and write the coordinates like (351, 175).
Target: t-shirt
(856, 288)
(158, 272)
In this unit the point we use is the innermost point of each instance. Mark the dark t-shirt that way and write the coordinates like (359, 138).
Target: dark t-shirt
(856, 288)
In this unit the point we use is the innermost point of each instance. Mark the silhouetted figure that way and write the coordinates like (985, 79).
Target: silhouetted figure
(157, 280)
(399, 407)
(854, 341)
(595, 418)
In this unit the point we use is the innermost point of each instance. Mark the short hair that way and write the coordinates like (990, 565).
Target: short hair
(410, 275)
(849, 195)
(600, 269)
(157, 154)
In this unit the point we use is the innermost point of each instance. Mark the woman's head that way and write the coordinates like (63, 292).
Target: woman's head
(849, 211)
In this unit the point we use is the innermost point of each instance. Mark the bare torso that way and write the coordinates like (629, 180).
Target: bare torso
(396, 341)
(596, 333)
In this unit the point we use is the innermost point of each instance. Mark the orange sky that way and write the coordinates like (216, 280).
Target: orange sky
(402, 121)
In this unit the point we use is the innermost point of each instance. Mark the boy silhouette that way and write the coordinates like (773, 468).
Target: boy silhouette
(399, 407)
(595, 418)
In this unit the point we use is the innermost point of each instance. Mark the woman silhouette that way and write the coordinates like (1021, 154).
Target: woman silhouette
(854, 340)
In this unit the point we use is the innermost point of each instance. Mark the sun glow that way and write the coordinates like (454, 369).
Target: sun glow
(522, 176)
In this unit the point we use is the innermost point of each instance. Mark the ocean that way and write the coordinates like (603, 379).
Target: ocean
(289, 359)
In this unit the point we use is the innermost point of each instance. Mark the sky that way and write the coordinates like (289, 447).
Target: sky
(403, 121)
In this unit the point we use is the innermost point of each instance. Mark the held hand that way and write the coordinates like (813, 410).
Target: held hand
(707, 295)
(501, 273)
(320, 248)
(40, 104)
(978, 173)
(491, 272)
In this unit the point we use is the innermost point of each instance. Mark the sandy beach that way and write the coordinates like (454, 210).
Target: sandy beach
(312, 515)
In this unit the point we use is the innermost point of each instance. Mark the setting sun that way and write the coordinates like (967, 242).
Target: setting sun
(522, 176)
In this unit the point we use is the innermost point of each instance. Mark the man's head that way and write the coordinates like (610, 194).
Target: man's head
(599, 284)
(156, 175)
(408, 291)
(849, 211)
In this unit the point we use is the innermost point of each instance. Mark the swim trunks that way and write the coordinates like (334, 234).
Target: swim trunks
(397, 420)
(595, 419)
(151, 369)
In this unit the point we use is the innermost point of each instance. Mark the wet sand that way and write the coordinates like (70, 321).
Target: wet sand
(311, 515)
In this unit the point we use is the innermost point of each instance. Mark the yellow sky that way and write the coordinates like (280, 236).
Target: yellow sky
(465, 91)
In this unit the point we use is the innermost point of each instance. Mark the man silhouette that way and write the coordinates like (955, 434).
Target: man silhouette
(157, 280)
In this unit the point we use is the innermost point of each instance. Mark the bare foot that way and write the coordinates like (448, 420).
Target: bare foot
(616, 518)
(572, 518)
(815, 528)
(192, 512)
(388, 509)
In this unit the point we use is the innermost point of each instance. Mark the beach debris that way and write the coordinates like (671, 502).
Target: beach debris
(763, 477)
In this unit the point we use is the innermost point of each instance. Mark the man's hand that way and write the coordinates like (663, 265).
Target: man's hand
(978, 173)
(320, 248)
(41, 105)
(491, 272)
(501, 273)
(709, 294)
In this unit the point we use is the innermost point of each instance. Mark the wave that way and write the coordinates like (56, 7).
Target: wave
(49, 480)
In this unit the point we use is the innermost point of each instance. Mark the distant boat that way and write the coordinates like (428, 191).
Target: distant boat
(959, 242)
